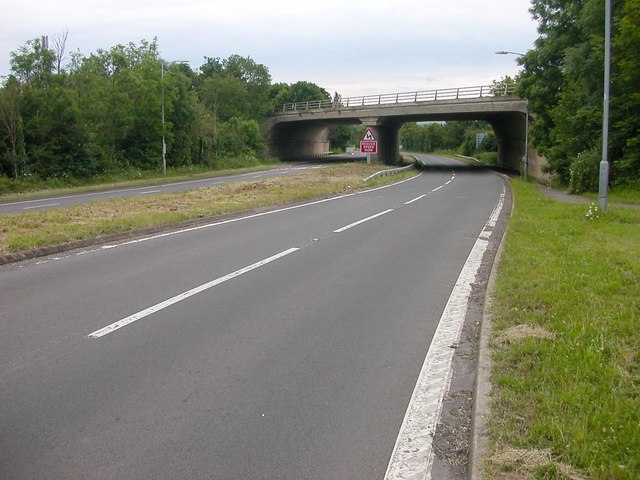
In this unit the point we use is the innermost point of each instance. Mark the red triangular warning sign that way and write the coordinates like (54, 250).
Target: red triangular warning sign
(368, 136)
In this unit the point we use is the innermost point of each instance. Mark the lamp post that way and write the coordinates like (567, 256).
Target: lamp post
(525, 157)
(164, 144)
(603, 180)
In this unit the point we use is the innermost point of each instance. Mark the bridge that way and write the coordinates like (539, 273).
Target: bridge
(301, 130)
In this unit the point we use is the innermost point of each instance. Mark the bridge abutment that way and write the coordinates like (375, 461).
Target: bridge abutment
(298, 141)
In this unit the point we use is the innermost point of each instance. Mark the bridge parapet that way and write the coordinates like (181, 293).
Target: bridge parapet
(481, 91)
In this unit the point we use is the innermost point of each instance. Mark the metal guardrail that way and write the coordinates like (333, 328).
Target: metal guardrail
(397, 98)
(390, 171)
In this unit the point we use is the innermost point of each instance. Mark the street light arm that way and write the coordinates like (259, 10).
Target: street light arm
(504, 52)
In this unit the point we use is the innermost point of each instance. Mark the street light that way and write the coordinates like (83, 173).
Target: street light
(504, 52)
(603, 178)
(525, 157)
(164, 144)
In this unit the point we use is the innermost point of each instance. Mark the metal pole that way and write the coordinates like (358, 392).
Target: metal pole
(604, 164)
(525, 159)
(164, 145)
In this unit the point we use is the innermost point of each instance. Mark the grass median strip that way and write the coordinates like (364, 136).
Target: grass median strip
(24, 231)
(566, 340)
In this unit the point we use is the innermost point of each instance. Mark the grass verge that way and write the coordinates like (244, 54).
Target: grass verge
(12, 190)
(567, 391)
(24, 231)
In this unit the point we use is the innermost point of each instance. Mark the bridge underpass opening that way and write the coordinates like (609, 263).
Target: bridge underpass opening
(301, 141)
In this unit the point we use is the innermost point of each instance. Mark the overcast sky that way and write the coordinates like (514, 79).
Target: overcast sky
(353, 47)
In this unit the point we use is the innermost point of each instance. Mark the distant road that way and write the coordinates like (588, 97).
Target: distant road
(80, 198)
(285, 344)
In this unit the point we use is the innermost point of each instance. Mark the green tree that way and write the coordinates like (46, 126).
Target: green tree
(340, 137)
(305, 91)
(563, 80)
(625, 98)
(12, 148)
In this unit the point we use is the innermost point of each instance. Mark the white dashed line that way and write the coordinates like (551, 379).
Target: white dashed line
(347, 227)
(183, 296)
(42, 206)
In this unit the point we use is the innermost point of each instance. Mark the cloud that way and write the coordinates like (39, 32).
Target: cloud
(342, 45)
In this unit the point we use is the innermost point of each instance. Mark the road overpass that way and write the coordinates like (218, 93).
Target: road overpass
(301, 130)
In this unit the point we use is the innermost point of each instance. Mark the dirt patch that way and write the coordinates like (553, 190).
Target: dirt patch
(518, 333)
(521, 464)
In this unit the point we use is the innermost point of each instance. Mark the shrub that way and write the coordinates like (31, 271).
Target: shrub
(584, 171)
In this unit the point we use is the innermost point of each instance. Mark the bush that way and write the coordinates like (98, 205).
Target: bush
(584, 172)
(488, 158)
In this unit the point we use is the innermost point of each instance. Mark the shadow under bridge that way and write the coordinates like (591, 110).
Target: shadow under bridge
(301, 130)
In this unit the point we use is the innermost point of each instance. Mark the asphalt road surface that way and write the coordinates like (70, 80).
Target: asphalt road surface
(282, 345)
(62, 201)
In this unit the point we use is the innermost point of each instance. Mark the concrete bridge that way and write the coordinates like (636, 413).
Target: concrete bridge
(301, 130)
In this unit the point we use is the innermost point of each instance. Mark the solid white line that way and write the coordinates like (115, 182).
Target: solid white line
(412, 455)
(415, 199)
(42, 206)
(183, 296)
(347, 227)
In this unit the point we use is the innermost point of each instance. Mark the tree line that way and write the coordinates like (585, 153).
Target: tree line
(562, 76)
(466, 137)
(70, 115)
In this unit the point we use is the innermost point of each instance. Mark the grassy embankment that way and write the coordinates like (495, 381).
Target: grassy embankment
(566, 340)
(23, 231)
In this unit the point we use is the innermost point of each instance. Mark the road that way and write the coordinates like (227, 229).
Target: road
(282, 345)
(62, 201)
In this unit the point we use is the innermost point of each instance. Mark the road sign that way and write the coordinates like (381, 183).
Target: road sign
(368, 136)
(368, 146)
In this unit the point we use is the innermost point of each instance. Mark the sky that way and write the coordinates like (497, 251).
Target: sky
(353, 47)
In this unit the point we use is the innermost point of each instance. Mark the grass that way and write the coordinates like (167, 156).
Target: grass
(573, 392)
(24, 231)
(27, 188)
(621, 194)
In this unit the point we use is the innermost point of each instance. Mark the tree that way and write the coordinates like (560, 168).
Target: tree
(305, 91)
(625, 101)
(563, 80)
(59, 50)
(12, 149)
(32, 64)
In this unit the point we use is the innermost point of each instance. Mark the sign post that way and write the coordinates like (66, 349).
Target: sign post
(368, 144)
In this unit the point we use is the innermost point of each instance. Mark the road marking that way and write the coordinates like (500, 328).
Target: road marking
(415, 199)
(42, 206)
(347, 227)
(437, 188)
(150, 191)
(233, 220)
(412, 455)
(189, 293)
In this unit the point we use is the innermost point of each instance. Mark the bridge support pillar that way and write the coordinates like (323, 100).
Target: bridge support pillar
(388, 137)
(511, 134)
